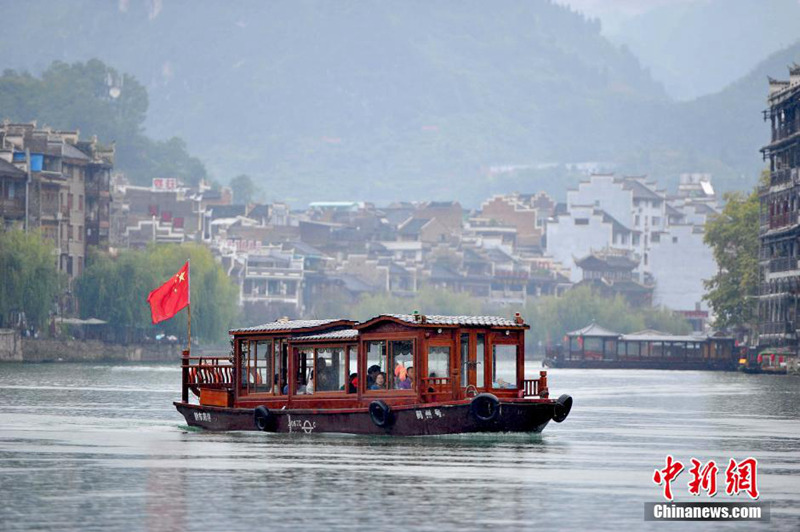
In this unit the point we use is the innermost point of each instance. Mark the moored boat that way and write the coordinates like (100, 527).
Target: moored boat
(395, 374)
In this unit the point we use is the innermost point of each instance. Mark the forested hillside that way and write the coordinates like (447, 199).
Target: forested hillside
(381, 101)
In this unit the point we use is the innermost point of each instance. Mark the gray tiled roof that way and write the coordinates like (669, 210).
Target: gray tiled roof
(286, 325)
(344, 334)
(464, 321)
(6, 168)
(593, 330)
(640, 190)
(71, 152)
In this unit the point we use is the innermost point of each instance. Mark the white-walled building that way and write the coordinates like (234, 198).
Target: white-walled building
(628, 214)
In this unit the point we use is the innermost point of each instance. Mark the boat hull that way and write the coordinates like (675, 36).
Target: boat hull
(529, 416)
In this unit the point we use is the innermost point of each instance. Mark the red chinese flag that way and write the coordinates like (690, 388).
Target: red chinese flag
(168, 299)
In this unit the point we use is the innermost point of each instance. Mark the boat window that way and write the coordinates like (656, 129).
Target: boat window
(633, 349)
(376, 365)
(464, 360)
(504, 366)
(261, 372)
(593, 345)
(280, 365)
(439, 361)
(479, 361)
(401, 358)
(305, 371)
(244, 362)
(329, 373)
(352, 370)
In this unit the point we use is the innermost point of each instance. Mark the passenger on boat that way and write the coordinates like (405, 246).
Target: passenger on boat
(372, 373)
(380, 382)
(408, 382)
(323, 376)
(353, 383)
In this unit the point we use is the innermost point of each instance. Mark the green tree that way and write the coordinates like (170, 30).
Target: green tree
(30, 279)
(733, 238)
(116, 289)
(427, 301)
(97, 100)
(244, 189)
(551, 318)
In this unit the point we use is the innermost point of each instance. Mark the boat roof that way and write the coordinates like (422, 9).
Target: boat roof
(285, 325)
(662, 337)
(594, 329)
(341, 335)
(435, 320)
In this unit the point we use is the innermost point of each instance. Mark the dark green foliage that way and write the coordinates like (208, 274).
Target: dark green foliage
(29, 280)
(116, 289)
(733, 238)
(244, 190)
(79, 96)
(551, 318)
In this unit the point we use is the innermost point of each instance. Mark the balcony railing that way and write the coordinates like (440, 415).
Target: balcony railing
(779, 177)
(12, 207)
(783, 264)
(776, 327)
(777, 221)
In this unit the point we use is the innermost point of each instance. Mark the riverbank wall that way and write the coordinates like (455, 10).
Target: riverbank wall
(15, 348)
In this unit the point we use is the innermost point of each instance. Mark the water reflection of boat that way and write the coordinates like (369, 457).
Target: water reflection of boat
(394, 374)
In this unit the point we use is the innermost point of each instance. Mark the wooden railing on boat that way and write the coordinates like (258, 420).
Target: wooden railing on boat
(436, 389)
(536, 387)
(206, 372)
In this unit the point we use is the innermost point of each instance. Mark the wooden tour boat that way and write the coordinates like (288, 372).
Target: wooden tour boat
(394, 374)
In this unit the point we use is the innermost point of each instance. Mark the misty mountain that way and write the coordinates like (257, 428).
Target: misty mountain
(379, 101)
(698, 48)
(356, 99)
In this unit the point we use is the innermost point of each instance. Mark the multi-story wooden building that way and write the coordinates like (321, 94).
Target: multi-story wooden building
(780, 218)
(53, 182)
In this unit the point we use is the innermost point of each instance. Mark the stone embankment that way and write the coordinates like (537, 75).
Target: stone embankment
(14, 348)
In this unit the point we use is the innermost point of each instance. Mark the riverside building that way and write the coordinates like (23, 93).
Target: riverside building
(779, 231)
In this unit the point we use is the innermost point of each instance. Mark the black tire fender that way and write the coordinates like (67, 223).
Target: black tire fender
(380, 413)
(485, 407)
(561, 408)
(263, 418)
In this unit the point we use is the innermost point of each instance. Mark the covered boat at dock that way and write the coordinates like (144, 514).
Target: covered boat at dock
(395, 374)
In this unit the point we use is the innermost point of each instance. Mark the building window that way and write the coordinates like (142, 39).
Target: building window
(674, 239)
(655, 237)
(581, 221)
(656, 220)
(69, 201)
(80, 234)
(80, 202)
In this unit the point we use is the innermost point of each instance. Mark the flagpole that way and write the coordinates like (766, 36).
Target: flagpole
(189, 305)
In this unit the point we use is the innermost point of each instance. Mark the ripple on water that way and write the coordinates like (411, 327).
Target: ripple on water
(101, 447)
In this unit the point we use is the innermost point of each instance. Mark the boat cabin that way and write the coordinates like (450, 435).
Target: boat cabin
(397, 358)
(595, 346)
